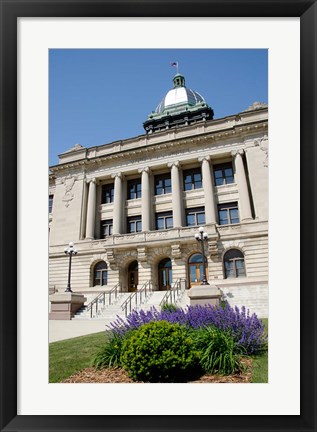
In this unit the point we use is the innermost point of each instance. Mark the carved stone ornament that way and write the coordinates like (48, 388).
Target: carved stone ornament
(260, 143)
(213, 249)
(176, 251)
(68, 182)
(142, 256)
(110, 256)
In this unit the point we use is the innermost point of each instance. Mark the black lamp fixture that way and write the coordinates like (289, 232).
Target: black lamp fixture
(70, 250)
(202, 236)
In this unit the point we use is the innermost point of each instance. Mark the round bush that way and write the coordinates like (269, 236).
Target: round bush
(160, 352)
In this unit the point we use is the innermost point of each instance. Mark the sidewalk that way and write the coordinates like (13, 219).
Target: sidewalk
(60, 329)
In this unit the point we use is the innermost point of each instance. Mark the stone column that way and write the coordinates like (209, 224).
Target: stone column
(177, 194)
(146, 199)
(91, 210)
(210, 205)
(241, 178)
(118, 203)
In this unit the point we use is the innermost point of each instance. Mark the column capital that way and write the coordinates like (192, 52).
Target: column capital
(204, 158)
(118, 174)
(92, 180)
(176, 164)
(237, 152)
(145, 169)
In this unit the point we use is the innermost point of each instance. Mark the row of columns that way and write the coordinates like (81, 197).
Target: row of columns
(177, 191)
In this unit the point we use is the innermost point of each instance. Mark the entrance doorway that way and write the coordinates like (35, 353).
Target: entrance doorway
(165, 274)
(196, 269)
(133, 276)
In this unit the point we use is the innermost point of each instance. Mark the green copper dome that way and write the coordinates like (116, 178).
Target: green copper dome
(180, 106)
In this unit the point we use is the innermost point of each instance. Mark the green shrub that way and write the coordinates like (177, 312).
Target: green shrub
(109, 355)
(218, 351)
(169, 307)
(160, 352)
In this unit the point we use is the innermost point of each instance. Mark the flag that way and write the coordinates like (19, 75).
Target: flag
(174, 64)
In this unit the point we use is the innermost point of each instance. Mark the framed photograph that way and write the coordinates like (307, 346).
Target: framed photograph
(29, 30)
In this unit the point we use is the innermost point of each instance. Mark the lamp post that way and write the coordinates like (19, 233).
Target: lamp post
(201, 237)
(70, 251)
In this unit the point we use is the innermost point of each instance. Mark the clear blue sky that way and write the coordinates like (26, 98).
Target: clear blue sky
(100, 96)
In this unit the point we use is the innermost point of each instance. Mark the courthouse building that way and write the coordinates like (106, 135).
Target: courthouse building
(133, 207)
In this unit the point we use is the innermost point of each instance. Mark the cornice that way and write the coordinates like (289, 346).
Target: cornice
(236, 131)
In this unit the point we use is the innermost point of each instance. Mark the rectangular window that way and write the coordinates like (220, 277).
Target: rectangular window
(164, 220)
(228, 213)
(192, 179)
(50, 203)
(163, 184)
(134, 189)
(223, 174)
(195, 216)
(106, 228)
(134, 224)
(107, 193)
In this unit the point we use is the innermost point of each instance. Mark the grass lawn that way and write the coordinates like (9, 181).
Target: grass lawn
(72, 355)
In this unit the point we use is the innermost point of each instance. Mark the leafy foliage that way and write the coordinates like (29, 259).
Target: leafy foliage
(159, 352)
(218, 351)
(109, 355)
(169, 307)
(247, 330)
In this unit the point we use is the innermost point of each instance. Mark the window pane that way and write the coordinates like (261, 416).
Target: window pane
(169, 222)
(218, 174)
(229, 179)
(139, 226)
(192, 273)
(104, 278)
(228, 172)
(200, 218)
(160, 223)
(223, 217)
(219, 181)
(190, 219)
(196, 258)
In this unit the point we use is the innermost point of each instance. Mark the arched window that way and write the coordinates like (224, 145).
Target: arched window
(234, 264)
(196, 268)
(165, 275)
(100, 273)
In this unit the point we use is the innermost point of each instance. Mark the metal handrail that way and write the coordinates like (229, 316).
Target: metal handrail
(101, 298)
(136, 296)
(174, 294)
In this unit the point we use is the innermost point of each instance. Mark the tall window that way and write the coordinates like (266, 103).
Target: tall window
(164, 220)
(134, 224)
(223, 174)
(50, 203)
(192, 179)
(195, 216)
(162, 184)
(100, 273)
(134, 189)
(106, 228)
(234, 264)
(196, 268)
(107, 193)
(228, 213)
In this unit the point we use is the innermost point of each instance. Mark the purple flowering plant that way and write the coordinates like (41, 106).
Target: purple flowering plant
(247, 330)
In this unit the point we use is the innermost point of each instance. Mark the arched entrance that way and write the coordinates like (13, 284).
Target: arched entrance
(133, 276)
(165, 274)
(196, 269)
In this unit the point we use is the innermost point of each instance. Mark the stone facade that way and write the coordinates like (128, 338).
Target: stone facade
(205, 149)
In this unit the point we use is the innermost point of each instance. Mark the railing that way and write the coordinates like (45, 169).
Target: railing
(175, 293)
(99, 302)
(137, 297)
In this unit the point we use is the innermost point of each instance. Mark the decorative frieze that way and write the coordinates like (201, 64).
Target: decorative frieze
(68, 182)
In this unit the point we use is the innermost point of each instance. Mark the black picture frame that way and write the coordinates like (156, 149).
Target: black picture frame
(10, 11)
